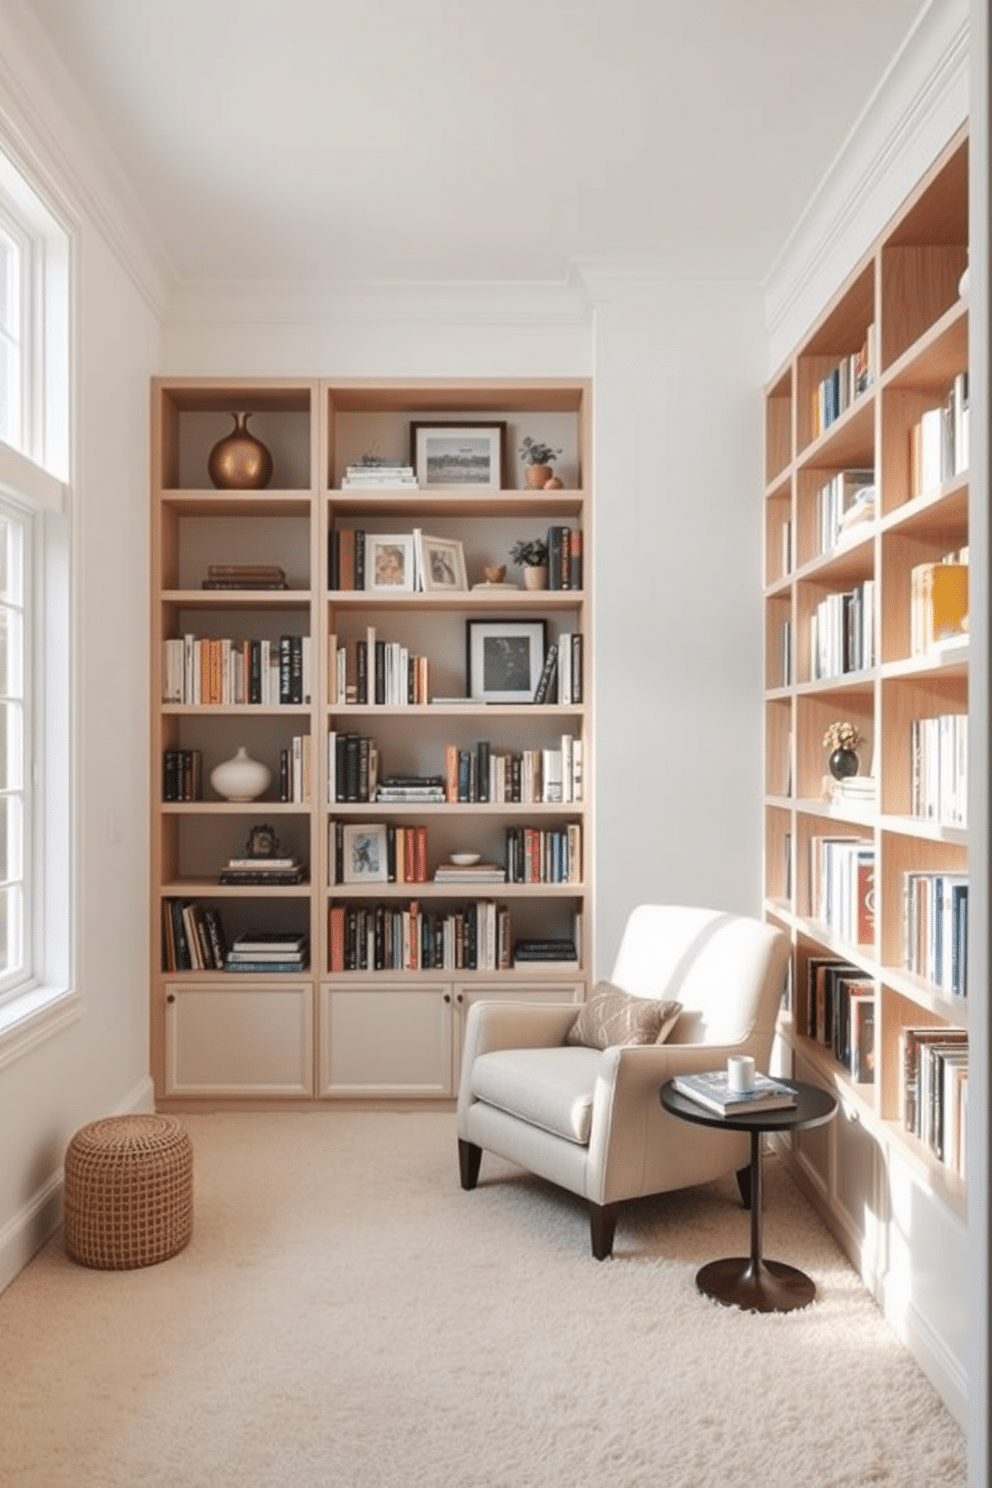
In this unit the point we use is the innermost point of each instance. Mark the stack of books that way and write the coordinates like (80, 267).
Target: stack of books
(560, 953)
(469, 873)
(712, 1091)
(245, 576)
(375, 476)
(284, 870)
(267, 951)
(398, 788)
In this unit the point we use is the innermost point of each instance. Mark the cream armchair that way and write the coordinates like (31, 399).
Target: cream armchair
(590, 1120)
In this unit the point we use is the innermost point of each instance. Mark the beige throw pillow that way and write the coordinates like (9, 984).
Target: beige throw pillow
(612, 1016)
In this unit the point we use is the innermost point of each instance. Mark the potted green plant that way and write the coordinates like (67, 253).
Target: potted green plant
(531, 554)
(538, 459)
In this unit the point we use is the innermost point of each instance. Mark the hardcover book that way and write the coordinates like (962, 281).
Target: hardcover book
(712, 1090)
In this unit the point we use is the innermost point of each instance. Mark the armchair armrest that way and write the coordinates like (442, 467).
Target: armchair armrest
(512, 1025)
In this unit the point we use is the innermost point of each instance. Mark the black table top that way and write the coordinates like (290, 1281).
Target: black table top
(813, 1107)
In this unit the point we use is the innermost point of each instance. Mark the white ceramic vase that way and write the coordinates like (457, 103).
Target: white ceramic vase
(241, 778)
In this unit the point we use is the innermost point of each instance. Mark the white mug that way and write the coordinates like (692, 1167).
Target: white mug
(740, 1072)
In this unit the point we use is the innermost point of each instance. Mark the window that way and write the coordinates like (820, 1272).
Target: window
(35, 951)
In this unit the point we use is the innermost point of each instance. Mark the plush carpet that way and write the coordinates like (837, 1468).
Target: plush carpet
(346, 1317)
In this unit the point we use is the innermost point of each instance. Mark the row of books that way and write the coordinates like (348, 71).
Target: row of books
(840, 1014)
(296, 770)
(940, 441)
(377, 852)
(842, 632)
(372, 671)
(842, 503)
(544, 854)
(182, 775)
(938, 601)
(842, 887)
(835, 392)
(352, 767)
(939, 768)
(218, 670)
(561, 676)
(934, 1090)
(935, 929)
(527, 775)
(411, 937)
(564, 557)
(194, 939)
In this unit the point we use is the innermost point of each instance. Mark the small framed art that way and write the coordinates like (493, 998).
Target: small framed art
(442, 563)
(389, 561)
(465, 456)
(365, 853)
(504, 659)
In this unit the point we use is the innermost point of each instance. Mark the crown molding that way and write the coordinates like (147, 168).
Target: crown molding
(52, 135)
(916, 108)
(216, 302)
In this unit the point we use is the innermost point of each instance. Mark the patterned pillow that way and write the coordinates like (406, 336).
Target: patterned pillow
(612, 1016)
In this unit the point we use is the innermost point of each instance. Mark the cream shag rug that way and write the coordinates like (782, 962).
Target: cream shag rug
(346, 1317)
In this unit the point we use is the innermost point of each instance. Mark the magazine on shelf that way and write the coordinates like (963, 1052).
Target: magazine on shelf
(712, 1090)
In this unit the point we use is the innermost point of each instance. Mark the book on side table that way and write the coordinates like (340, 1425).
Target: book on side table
(712, 1090)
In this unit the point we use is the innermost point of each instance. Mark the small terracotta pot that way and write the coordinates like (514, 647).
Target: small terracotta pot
(537, 476)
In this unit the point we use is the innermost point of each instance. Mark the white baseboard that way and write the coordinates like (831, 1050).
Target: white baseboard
(36, 1221)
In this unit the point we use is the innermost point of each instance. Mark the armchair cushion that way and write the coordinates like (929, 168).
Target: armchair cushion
(612, 1016)
(550, 1088)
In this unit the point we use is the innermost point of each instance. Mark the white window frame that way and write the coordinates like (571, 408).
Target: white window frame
(33, 472)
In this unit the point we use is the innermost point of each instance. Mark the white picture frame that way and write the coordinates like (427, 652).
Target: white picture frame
(504, 659)
(364, 853)
(440, 564)
(390, 562)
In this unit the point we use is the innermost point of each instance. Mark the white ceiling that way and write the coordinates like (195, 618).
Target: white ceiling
(299, 140)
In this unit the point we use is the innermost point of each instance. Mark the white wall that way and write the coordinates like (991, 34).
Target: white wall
(98, 1062)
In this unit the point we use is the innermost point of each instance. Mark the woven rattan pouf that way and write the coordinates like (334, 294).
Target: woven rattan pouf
(128, 1192)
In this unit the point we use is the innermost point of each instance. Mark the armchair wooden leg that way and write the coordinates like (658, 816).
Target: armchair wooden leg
(469, 1159)
(602, 1228)
(744, 1184)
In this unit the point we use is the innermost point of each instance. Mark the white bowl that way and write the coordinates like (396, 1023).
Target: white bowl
(465, 860)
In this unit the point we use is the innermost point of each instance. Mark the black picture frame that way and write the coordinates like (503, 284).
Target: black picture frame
(504, 659)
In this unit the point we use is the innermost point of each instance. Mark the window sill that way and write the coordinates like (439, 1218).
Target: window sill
(33, 1016)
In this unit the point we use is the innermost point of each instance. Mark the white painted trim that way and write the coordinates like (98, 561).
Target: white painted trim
(21, 477)
(34, 1016)
(920, 102)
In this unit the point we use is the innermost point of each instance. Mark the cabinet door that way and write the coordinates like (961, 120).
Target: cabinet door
(386, 1040)
(238, 1041)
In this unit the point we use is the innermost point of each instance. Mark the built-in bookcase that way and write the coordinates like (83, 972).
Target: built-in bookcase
(370, 1016)
(862, 394)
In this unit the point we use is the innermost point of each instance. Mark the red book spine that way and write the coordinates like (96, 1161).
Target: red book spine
(337, 937)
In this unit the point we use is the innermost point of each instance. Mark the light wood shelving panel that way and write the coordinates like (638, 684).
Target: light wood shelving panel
(361, 1034)
(907, 289)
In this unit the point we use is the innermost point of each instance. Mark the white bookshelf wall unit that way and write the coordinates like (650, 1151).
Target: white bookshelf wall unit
(393, 956)
(866, 496)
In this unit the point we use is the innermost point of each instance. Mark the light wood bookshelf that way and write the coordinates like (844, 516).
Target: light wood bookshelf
(907, 289)
(360, 1034)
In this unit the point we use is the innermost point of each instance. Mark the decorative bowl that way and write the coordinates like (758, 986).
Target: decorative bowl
(465, 860)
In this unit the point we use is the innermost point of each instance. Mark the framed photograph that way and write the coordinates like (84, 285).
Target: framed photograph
(365, 853)
(469, 456)
(504, 659)
(442, 563)
(389, 561)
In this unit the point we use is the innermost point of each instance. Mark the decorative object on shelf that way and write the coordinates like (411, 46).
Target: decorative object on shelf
(461, 455)
(505, 659)
(554, 484)
(494, 573)
(440, 563)
(239, 461)
(241, 778)
(531, 554)
(264, 861)
(465, 859)
(538, 459)
(365, 853)
(843, 740)
(390, 563)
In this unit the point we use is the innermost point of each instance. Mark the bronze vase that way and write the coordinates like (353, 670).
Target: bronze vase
(239, 461)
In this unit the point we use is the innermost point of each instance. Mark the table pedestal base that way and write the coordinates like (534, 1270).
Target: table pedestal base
(756, 1286)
